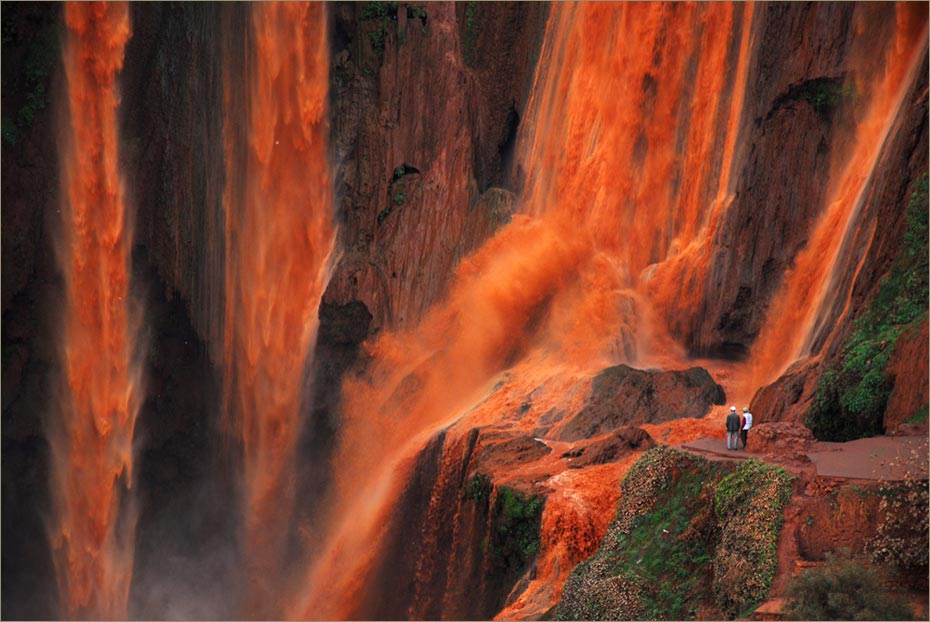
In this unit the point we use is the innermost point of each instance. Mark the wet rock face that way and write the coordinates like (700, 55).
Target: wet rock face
(425, 105)
(878, 233)
(172, 125)
(619, 444)
(768, 222)
(622, 395)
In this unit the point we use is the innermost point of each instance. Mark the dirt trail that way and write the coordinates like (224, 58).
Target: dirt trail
(885, 458)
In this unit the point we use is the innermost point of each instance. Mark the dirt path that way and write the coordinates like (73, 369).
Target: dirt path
(887, 458)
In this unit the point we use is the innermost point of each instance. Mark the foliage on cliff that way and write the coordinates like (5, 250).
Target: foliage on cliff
(689, 534)
(852, 394)
(749, 505)
(902, 538)
(515, 535)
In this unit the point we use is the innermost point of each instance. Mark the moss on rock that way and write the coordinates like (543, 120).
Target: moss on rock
(689, 535)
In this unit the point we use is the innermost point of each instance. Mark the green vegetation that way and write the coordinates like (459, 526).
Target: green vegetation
(385, 213)
(399, 172)
(470, 40)
(852, 395)
(399, 198)
(689, 534)
(825, 95)
(749, 505)
(515, 536)
(479, 488)
(843, 589)
(33, 76)
(381, 14)
(666, 550)
(414, 12)
(920, 416)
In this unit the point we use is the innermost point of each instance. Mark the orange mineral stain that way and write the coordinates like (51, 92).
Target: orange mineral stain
(93, 531)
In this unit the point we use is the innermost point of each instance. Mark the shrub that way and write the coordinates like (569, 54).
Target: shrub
(902, 538)
(479, 488)
(852, 394)
(843, 589)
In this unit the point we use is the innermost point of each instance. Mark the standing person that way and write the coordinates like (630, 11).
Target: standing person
(733, 425)
(747, 424)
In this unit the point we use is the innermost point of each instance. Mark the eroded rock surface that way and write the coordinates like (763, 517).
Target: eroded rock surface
(623, 395)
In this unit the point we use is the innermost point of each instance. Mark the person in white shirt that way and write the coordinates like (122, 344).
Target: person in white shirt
(747, 424)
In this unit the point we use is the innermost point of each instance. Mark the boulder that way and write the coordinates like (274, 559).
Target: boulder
(622, 395)
(781, 438)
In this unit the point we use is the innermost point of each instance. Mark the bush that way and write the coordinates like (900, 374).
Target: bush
(516, 537)
(902, 538)
(843, 589)
(381, 14)
(853, 393)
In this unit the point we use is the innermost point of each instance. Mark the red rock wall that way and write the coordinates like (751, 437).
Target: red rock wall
(776, 197)
(878, 233)
(907, 370)
(442, 99)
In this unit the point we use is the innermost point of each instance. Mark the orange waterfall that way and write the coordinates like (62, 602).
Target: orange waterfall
(623, 165)
(93, 531)
(810, 285)
(279, 237)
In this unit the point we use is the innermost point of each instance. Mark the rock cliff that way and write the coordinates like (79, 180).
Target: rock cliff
(425, 113)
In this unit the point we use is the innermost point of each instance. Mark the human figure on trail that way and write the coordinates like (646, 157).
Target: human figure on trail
(747, 425)
(733, 425)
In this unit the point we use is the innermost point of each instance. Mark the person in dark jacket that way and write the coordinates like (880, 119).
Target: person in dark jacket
(733, 426)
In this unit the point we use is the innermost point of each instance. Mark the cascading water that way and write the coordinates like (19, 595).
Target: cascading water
(93, 532)
(279, 237)
(608, 193)
(631, 147)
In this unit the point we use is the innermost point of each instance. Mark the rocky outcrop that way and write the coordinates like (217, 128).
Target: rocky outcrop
(609, 449)
(907, 372)
(622, 395)
(425, 111)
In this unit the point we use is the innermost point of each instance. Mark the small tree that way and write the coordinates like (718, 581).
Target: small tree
(843, 589)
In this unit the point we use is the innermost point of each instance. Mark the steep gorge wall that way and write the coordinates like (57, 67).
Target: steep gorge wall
(425, 108)
(878, 235)
(776, 198)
